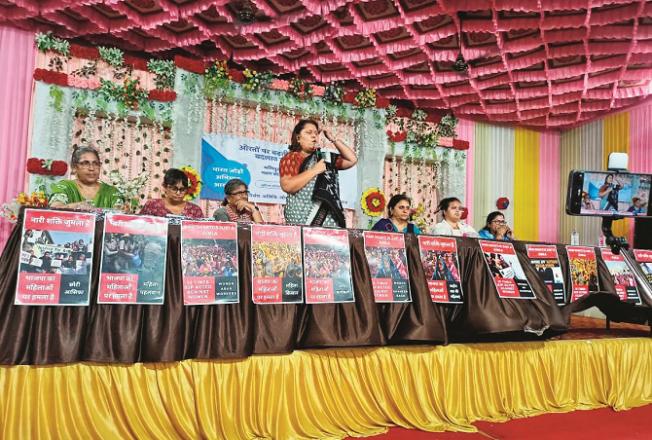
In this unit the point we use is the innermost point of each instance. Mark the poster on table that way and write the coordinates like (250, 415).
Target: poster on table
(387, 261)
(583, 271)
(209, 258)
(506, 270)
(56, 255)
(624, 279)
(276, 264)
(644, 259)
(545, 260)
(327, 266)
(442, 268)
(256, 162)
(134, 250)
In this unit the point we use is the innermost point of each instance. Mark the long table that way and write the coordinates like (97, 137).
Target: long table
(149, 333)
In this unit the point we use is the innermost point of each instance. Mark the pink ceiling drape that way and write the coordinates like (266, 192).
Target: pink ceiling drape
(17, 56)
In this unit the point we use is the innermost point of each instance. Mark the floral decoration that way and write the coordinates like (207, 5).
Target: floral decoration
(128, 189)
(217, 77)
(112, 55)
(51, 77)
(396, 136)
(418, 216)
(88, 53)
(47, 41)
(373, 202)
(300, 88)
(502, 203)
(164, 71)
(37, 199)
(334, 92)
(256, 81)
(130, 94)
(162, 95)
(46, 167)
(366, 98)
(195, 183)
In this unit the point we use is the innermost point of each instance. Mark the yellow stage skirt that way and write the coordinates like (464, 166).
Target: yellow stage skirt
(324, 393)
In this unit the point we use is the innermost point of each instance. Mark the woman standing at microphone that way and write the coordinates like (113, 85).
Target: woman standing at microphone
(309, 176)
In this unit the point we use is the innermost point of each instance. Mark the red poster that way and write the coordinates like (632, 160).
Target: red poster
(209, 258)
(583, 270)
(644, 259)
(442, 268)
(544, 259)
(387, 261)
(55, 258)
(276, 264)
(327, 266)
(623, 278)
(134, 250)
(506, 270)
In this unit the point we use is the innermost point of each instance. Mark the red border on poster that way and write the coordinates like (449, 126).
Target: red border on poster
(580, 253)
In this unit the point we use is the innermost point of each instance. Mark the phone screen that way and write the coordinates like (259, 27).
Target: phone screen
(604, 193)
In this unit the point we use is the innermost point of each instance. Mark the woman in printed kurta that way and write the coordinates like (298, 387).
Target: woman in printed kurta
(175, 187)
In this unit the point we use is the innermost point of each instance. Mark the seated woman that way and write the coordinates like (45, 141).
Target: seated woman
(496, 228)
(236, 206)
(398, 216)
(310, 179)
(175, 187)
(85, 192)
(452, 224)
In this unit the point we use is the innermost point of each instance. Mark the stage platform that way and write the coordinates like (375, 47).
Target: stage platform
(332, 393)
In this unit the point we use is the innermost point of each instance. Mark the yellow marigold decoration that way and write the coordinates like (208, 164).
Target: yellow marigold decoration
(373, 202)
(194, 181)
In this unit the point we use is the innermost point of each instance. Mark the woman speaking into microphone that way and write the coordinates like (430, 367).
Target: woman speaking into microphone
(310, 178)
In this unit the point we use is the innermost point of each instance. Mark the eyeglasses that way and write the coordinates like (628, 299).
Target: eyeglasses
(177, 189)
(240, 193)
(500, 222)
(88, 164)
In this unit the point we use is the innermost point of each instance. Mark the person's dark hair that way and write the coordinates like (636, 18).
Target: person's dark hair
(294, 139)
(174, 176)
(491, 217)
(77, 153)
(231, 186)
(394, 200)
(607, 176)
(445, 203)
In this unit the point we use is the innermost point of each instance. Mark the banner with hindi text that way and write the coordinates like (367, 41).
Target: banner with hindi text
(583, 271)
(545, 260)
(388, 265)
(506, 270)
(442, 268)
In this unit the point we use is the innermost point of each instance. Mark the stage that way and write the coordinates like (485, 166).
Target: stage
(332, 393)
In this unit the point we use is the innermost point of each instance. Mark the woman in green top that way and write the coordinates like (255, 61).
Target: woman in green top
(86, 191)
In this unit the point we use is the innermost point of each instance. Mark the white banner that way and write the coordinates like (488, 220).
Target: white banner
(226, 157)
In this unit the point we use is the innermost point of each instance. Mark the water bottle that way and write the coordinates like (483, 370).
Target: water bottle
(602, 241)
(575, 238)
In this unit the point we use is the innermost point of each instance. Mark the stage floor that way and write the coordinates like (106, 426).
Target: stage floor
(593, 328)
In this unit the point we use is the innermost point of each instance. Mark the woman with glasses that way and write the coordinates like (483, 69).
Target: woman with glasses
(236, 206)
(85, 192)
(172, 202)
(496, 228)
(398, 216)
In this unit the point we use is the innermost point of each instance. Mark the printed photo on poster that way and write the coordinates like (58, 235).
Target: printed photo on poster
(545, 260)
(56, 255)
(387, 261)
(276, 264)
(506, 270)
(624, 279)
(209, 259)
(442, 268)
(583, 270)
(327, 266)
(134, 250)
(644, 259)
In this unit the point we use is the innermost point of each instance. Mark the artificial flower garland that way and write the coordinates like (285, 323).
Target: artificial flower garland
(194, 179)
(373, 202)
(46, 167)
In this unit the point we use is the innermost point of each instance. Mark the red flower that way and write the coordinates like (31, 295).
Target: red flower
(135, 62)
(237, 76)
(194, 66)
(162, 95)
(398, 136)
(88, 53)
(37, 166)
(460, 144)
(51, 77)
(34, 165)
(465, 212)
(502, 203)
(59, 168)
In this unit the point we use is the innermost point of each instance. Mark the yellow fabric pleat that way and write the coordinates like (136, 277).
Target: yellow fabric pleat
(324, 393)
(616, 139)
(526, 184)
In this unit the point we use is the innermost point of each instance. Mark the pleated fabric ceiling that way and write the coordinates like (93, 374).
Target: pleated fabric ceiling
(540, 63)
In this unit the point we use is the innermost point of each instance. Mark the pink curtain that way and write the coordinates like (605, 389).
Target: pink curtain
(17, 54)
(640, 136)
(549, 181)
(466, 132)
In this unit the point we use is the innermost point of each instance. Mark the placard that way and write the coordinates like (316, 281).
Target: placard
(387, 261)
(644, 259)
(583, 270)
(327, 266)
(442, 268)
(506, 270)
(209, 259)
(134, 250)
(545, 260)
(623, 278)
(276, 264)
(56, 255)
